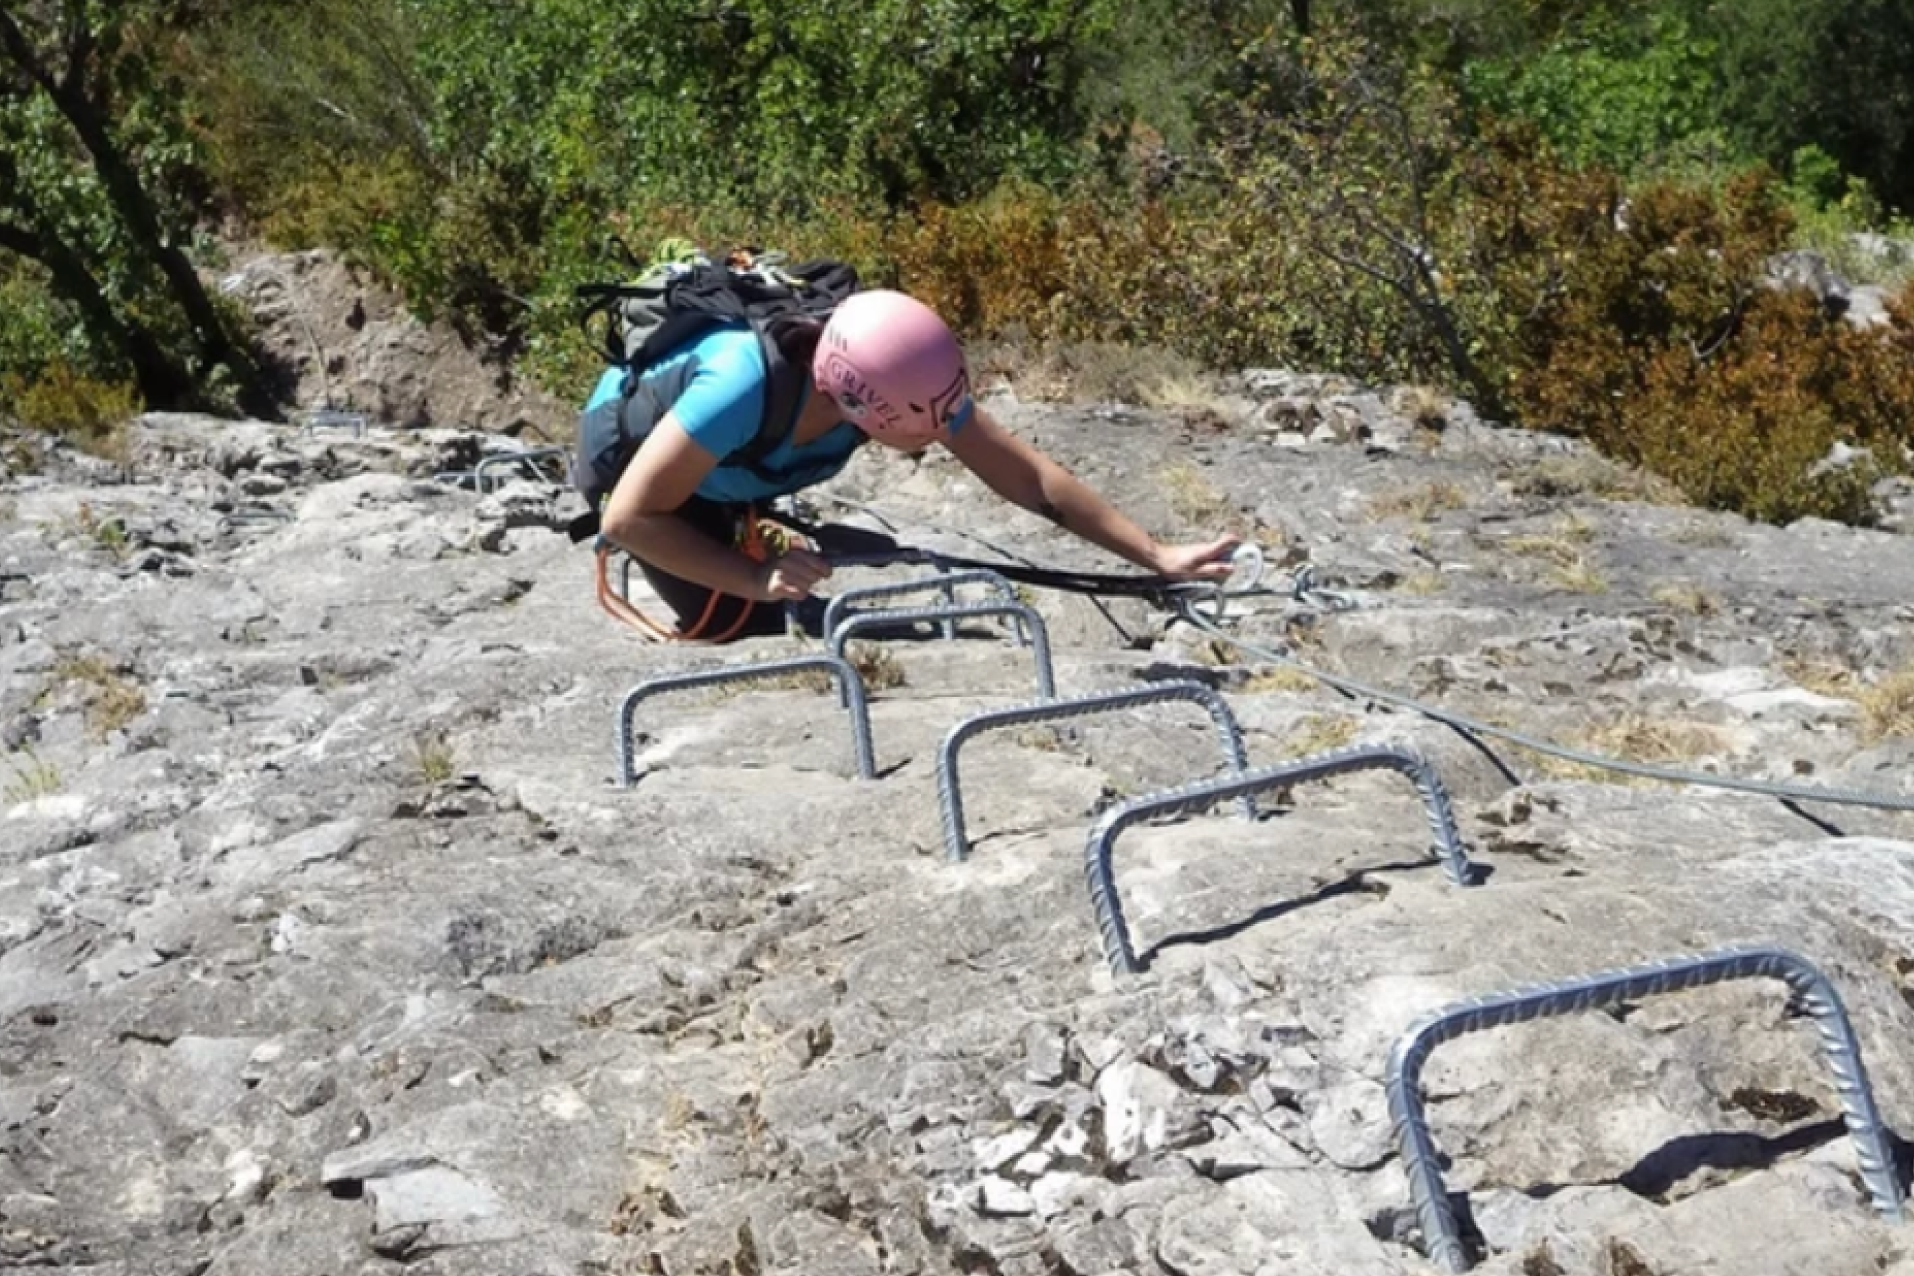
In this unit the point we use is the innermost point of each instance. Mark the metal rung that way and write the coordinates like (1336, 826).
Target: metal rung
(1039, 635)
(1117, 947)
(850, 690)
(335, 419)
(1813, 992)
(255, 514)
(950, 794)
(946, 583)
(528, 458)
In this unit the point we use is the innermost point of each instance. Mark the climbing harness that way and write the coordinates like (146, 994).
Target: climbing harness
(757, 538)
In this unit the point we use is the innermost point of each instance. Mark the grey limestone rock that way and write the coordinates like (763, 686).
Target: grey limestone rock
(328, 944)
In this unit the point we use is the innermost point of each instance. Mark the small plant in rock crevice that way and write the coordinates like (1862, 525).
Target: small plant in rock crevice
(1685, 597)
(433, 759)
(1579, 577)
(1419, 502)
(112, 699)
(1321, 733)
(33, 778)
(880, 670)
(1822, 676)
(1193, 498)
(1636, 737)
(1422, 584)
(1588, 474)
(1887, 707)
(1282, 679)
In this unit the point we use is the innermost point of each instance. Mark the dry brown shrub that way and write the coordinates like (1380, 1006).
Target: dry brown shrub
(1193, 498)
(1887, 707)
(1637, 737)
(89, 413)
(112, 699)
(1687, 597)
(1321, 733)
(1418, 502)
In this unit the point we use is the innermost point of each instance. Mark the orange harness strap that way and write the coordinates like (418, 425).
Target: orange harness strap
(752, 541)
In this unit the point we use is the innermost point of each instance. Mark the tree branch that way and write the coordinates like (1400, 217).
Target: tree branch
(21, 51)
(20, 240)
(78, 50)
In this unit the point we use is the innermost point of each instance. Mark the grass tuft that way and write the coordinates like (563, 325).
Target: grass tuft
(874, 662)
(1887, 707)
(1279, 679)
(1321, 732)
(1589, 474)
(112, 699)
(433, 758)
(1686, 597)
(1193, 498)
(1419, 502)
(32, 778)
(1637, 737)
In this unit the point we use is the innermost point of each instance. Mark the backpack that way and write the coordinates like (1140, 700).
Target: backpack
(679, 299)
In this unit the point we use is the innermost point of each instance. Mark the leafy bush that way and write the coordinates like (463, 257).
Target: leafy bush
(1831, 73)
(87, 412)
(1621, 91)
(1655, 340)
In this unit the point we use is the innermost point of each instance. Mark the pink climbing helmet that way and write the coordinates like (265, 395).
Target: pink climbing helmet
(895, 369)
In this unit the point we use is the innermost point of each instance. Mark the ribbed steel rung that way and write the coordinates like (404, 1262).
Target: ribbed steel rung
(1813, 991)
(945, 582)
(849, 684)
(1118, 948)
(1039, 634)
(526, 460)
(335, 419)
(950, 793)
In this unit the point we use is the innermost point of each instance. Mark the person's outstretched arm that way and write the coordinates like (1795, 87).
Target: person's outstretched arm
(1024, 476)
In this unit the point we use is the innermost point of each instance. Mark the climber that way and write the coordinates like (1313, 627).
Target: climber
(883, 367)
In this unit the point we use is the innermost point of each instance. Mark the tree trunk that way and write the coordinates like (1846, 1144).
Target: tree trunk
(160, 379)
(1299, 13)
(137, 214)
(129, 197)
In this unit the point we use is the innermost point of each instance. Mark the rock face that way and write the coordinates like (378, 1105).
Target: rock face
(327, 944)
(351, 346)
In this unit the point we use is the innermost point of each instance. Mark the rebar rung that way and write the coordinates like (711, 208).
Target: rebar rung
(1118, 948)
(527, 457)
(950, 793)
(1039, 634)
(849, 685)
(945, 582)
(1814, 992)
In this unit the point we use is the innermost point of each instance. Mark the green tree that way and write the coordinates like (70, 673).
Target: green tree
(95, 187)
(1622, 91)
(1837, 74)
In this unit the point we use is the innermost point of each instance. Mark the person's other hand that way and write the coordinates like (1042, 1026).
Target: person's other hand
(791, 575)
(1209, 561)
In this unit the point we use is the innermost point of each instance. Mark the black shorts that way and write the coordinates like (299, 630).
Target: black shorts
(725, 523)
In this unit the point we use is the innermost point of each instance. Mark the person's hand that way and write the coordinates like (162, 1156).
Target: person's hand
(1210, 561)
(791, 575)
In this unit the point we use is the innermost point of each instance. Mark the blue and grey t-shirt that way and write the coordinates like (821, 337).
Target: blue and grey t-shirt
(720, 408)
